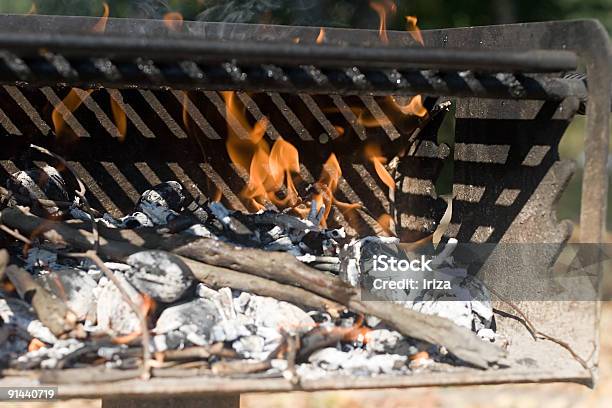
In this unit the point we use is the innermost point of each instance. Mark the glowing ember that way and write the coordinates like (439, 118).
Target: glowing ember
(173, 20)
(321, 36)
(100, 26)
(35, 344)
(414, 30)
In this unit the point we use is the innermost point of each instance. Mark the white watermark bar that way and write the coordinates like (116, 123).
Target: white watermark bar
(28, 393)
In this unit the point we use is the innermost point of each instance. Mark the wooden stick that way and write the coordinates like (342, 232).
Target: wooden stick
(283, 267)
(4, 260)
(51, 311)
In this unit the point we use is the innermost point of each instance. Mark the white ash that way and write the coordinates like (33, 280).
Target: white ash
(73, 286)
(159, 274)
(358, 361)
(199, 230)
(17, 313)
(196, 318)
(114, 314)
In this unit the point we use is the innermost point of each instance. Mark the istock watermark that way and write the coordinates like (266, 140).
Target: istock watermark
(516, 272)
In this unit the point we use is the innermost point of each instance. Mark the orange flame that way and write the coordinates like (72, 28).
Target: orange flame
(373, 154)
(120, 118)
(72, 101)
(326, 186)
(100, 25)
(173, 20)
(414, 30)
(386, 223)
(414, 107)
(321, 36)
(270, 170)
(382, 9)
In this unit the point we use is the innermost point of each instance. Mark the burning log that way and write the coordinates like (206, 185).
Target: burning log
(283, 268)
(51, 311)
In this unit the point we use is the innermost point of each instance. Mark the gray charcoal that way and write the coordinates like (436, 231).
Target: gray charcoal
(159, 274)
(39, 183)
(48, 357)
(173, 340)
(204, 291)
(113, 312)
(388, 341)
(17, 313)
(249, 346)
(41, 259)
(199, 314)
(73, 286)
(162, 203)
(168, 194)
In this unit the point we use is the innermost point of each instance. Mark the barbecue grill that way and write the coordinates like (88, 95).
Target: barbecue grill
(513, 93)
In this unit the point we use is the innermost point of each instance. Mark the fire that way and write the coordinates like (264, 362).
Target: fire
(326, 187)
(414, 107)
(270, 170)
(374, 155)
(100, 26)
(414, 30)
(386, 222)
(72, 101)
(321, 36)
(35, 344)
(120, 118)
(382, 9)
(173, 20)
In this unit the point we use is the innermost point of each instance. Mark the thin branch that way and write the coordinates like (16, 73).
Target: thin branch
(15, 234)
(537, 333)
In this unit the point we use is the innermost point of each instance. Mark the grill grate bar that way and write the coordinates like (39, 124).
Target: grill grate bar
(27, 107)
(131, 113)
(66, 114)
(163, 114)
(8, 125)
(194, 113)
(100, 114)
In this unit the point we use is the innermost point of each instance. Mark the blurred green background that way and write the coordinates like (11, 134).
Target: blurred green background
(347, 13)
(359, 14)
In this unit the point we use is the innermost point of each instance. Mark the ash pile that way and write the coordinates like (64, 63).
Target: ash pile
(195, 289)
